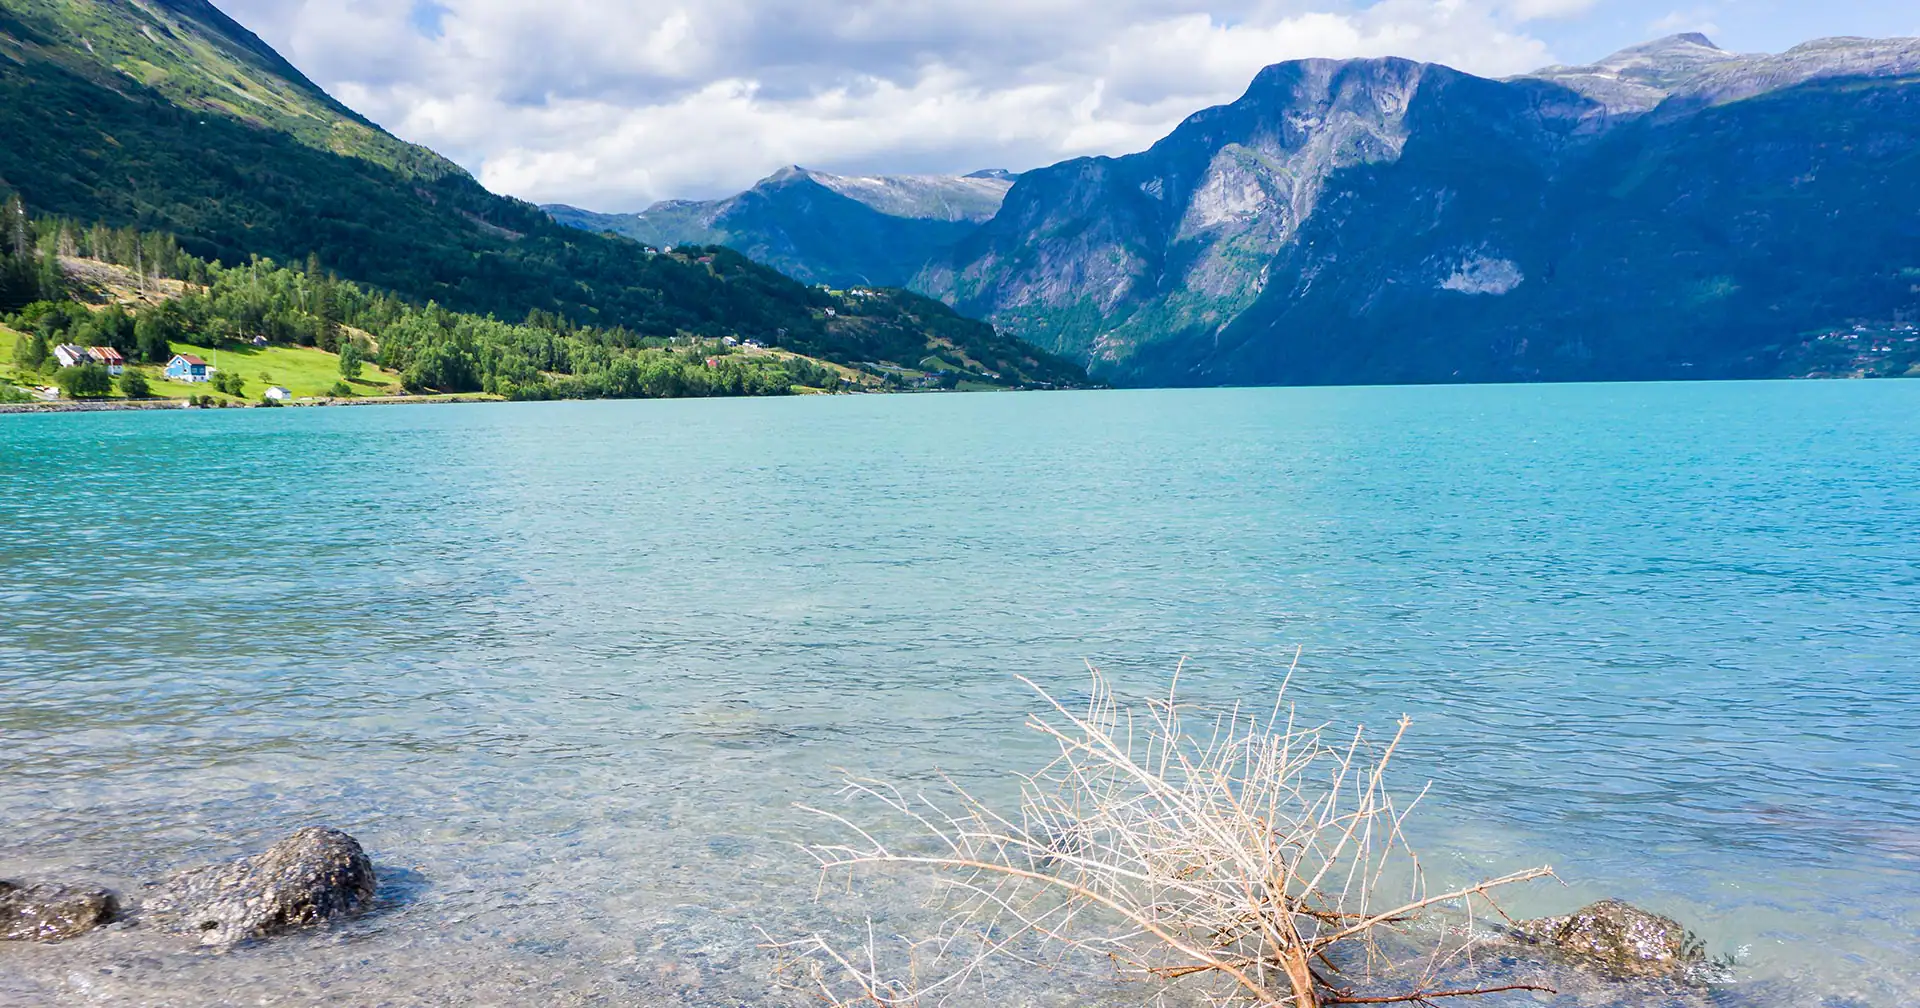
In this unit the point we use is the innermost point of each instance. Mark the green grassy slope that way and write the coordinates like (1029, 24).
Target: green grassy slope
(304, 371)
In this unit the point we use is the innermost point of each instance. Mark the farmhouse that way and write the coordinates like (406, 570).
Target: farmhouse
(278, 394)
(188, 368)
(109, 358)
(69, 355)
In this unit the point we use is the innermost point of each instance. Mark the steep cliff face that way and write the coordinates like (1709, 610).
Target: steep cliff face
(1101, 257)
(821, 228)
(1673, 211)
(1666, 249)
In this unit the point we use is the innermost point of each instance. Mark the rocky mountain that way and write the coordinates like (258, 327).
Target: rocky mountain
(1692, 68)
(1672, 211)
(168, 116)
(820, 228)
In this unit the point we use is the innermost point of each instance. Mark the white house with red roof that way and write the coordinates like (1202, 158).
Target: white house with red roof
(108, 358)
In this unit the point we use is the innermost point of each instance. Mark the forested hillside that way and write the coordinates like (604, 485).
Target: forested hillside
(170, 118)
(178, 303)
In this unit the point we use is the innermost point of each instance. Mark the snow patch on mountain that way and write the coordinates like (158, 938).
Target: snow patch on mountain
(1482, 274)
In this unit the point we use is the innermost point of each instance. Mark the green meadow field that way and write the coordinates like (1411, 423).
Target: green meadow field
(304, 371)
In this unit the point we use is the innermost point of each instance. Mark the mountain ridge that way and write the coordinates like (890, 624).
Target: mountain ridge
(1211, 257)
(1690, 66)
(198, 58)
(818, 227)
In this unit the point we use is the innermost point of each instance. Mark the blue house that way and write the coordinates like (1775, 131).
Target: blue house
(188, 368)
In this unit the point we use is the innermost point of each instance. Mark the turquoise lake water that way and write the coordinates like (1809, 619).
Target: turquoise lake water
(564, 668)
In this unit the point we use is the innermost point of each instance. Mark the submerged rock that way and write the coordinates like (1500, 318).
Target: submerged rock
(309, 878)
(51, 913)
(1619, 938)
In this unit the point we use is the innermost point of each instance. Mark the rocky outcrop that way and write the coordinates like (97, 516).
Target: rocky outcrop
(1620, 939)
(1094, 257)
(50, 912)
(309, 878)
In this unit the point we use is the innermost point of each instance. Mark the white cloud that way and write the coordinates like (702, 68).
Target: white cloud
(1677, 22)
(1534, 10)
(615, 103)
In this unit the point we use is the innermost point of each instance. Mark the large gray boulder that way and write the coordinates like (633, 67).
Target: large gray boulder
(1620, 939)
(52, 913)
(309, 878)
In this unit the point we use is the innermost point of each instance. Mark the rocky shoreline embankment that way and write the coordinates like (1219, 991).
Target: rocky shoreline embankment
(121, 405)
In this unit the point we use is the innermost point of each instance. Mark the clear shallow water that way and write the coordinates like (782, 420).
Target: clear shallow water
(564, 667)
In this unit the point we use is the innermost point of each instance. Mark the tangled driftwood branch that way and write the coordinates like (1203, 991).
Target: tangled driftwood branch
(1242, 853)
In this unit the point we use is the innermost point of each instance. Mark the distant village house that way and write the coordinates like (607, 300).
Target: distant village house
(109, 358)
(188, 368)
(278, 394)
(69, 355)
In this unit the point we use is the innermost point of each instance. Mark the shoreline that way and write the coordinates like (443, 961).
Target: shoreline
(115, 406)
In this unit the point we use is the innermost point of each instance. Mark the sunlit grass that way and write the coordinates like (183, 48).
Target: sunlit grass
(304, 371)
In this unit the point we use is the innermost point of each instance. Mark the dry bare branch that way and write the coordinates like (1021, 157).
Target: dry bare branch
(1207, 847)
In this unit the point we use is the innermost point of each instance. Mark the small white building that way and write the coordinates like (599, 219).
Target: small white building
(70, 356)
(278, 394)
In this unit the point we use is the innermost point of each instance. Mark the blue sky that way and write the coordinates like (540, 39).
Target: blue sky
(1739, 25)
(612, 104)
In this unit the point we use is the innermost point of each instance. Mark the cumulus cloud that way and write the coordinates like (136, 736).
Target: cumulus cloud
(615, 103)
(1675, 22)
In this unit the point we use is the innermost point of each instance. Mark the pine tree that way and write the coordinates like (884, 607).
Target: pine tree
(16, 227)
(33, 352)
(329, 314)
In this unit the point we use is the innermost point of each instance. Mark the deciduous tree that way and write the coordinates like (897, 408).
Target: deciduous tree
(84, 381)
(351, 360)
